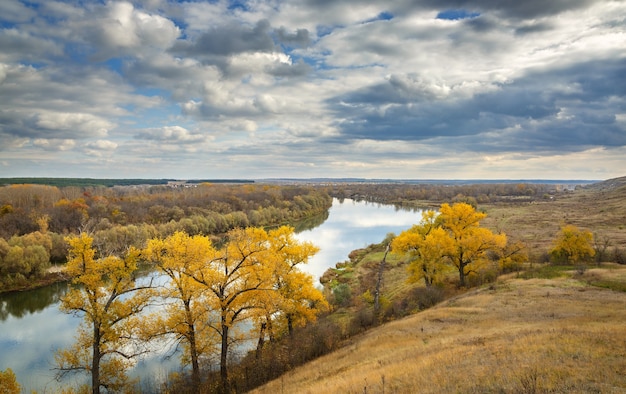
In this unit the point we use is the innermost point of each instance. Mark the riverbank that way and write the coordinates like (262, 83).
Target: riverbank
(55, 275)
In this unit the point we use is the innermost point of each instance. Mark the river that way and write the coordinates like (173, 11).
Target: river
(32, 328)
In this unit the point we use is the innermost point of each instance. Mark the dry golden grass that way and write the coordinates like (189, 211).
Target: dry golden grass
(516, 336)
(537, 223)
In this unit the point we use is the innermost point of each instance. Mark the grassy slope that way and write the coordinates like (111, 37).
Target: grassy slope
(516, 335)
(562, 334)
(602, 210)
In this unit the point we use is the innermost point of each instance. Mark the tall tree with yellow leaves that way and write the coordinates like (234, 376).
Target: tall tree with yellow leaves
(294, 300)
(187, 313)
(248, 273)
(470, 242)
(234, 277)
(428, 247)
(106, 295)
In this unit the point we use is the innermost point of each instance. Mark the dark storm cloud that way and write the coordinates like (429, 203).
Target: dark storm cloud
(569, 108)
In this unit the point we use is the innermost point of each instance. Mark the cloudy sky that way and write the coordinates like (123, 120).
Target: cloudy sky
(445, 89)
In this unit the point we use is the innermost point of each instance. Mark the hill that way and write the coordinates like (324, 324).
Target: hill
(516, 335)
(609, 184)
(600, 208)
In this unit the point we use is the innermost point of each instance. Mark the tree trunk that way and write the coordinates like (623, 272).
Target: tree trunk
(95, 360)
(261, 342)
(195, 367)
(225, 387)
(290, 323)
(270, 329)
(381, 269)
(461, 274)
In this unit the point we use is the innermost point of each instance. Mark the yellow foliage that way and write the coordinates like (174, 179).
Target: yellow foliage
(573, 245)
(454, 237)
(8, 382)
(427, 248)
(110, 301)
(187, 310)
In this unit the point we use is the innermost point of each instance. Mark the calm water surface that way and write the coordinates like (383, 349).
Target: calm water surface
(32, 328)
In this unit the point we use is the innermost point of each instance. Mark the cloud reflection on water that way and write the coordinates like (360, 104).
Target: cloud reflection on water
(352, 225)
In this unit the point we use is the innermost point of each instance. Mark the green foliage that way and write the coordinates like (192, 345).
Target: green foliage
(342, 294)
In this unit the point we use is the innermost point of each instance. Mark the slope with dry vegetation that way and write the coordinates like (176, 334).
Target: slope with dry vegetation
(546, 328)
(516, 335)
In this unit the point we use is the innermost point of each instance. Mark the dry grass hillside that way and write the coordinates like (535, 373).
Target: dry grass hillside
(516, 335)
(600, 208)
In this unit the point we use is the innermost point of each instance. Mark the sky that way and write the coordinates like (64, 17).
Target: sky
(393, 89)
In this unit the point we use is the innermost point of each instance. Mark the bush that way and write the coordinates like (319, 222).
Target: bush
(417, 299)
(619, 256)
(427, 296)
(362, 320)
(342, 294)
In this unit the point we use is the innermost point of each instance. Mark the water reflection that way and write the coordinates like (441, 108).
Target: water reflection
(20, 304)
(32, 328)
(352, 225)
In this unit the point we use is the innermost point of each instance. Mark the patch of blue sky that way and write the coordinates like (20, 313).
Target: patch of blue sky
(116, 64)
(238, 5)
(324, 30)
(152, 92)
(456, 14)
(6, 25)
(383, 16)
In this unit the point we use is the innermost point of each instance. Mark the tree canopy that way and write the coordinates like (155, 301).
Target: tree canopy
(106, 296)
(572, 245)
(451, 238)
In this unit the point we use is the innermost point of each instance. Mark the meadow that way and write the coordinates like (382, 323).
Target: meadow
(515, 336)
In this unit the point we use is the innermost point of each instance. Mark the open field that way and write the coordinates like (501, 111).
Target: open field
(603, 212)
(515, 335)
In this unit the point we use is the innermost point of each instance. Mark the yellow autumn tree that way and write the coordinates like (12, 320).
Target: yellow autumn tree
(106, 296)
(428, 247)
(234, 277)
(8, 382)
(187, 311)
(255, 269)
(470, 242)
(294, 300)
(572, 245)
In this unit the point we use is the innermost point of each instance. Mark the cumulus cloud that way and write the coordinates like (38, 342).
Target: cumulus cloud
(229, 39)
(54, 144)
(122, 30)
(14, 11)
(350, 88)
(170, 134)
(104, 145)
